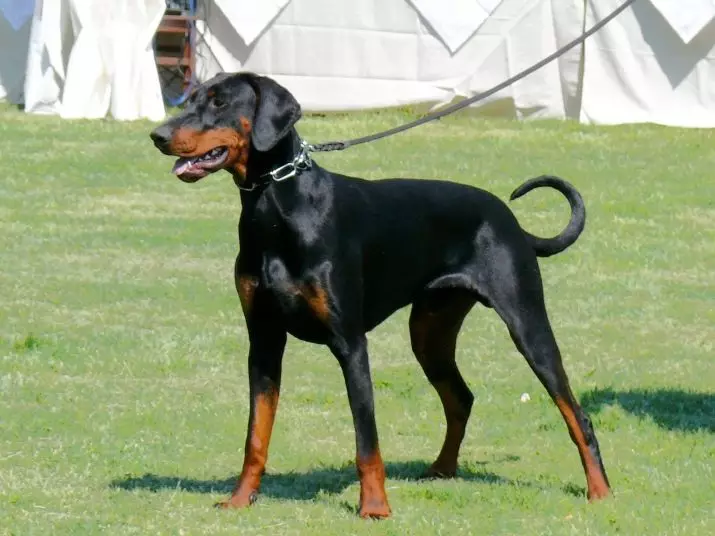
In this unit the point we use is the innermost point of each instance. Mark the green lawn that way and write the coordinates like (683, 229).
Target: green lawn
(122, 347)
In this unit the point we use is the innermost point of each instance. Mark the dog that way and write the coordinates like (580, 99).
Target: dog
(326, 258)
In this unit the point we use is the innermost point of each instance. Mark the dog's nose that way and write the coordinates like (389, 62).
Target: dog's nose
(161, 135)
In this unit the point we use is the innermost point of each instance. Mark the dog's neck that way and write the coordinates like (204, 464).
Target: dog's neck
(260, 164)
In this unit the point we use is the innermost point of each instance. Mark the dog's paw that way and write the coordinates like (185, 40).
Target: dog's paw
(240, 500)
(439, 471)
(374, 509)
(598, 493)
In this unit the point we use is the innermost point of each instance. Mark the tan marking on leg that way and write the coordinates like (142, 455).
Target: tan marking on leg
(256, 451)
(246, 286)
(596, 482)
(446, 463)
(373, 498)
(433, 335)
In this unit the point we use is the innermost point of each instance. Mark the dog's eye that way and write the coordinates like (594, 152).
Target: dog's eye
(216, 102)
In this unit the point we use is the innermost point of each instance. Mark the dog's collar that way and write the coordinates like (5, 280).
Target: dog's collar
(300, 163)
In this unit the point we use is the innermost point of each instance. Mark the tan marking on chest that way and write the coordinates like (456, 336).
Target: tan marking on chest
(317, 299)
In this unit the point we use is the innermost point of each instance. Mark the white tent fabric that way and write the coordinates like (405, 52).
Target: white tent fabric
(88, 58)
(338, 54)
(455, 21)
(249, 17)
(638, 69)
(688, 20)
(111, 66)
(654, 63)
(15, 18)
(46, 58)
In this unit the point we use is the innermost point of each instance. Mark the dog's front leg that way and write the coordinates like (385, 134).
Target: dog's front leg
(265, 358)
(353, 359)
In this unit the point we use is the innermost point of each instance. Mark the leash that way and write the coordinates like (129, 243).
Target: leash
(342, 145)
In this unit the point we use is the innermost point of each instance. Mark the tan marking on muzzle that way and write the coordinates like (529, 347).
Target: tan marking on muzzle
(189, 142)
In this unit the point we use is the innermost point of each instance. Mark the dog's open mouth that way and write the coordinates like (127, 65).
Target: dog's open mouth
(196, 167)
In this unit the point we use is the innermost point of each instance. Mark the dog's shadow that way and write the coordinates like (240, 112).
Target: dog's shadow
(672, 409)
(309, 485)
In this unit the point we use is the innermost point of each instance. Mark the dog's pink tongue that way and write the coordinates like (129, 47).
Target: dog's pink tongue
(181, 166)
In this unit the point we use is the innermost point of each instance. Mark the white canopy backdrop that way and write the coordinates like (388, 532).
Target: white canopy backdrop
(87, 58)
(15, 22)
(653, 63)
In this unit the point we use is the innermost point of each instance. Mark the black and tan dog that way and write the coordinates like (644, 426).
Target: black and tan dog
(327, 258)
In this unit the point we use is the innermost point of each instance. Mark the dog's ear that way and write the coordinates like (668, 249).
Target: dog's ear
(276, 112)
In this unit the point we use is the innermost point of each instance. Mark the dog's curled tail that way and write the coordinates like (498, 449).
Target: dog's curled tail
(545, 247)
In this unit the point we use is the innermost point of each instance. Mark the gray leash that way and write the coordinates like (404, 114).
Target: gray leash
(341, 145)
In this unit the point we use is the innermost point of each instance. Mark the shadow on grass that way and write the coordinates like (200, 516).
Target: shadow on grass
(672, 409)
(307, 486)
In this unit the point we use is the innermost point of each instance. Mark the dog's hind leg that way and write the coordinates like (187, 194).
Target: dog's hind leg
(435, 321)
(515, 291)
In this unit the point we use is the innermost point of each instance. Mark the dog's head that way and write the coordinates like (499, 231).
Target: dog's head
(225, 119)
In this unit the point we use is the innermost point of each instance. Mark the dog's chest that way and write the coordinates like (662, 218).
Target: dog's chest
(303, 301)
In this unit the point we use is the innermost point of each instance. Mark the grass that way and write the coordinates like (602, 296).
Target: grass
(122, 348)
